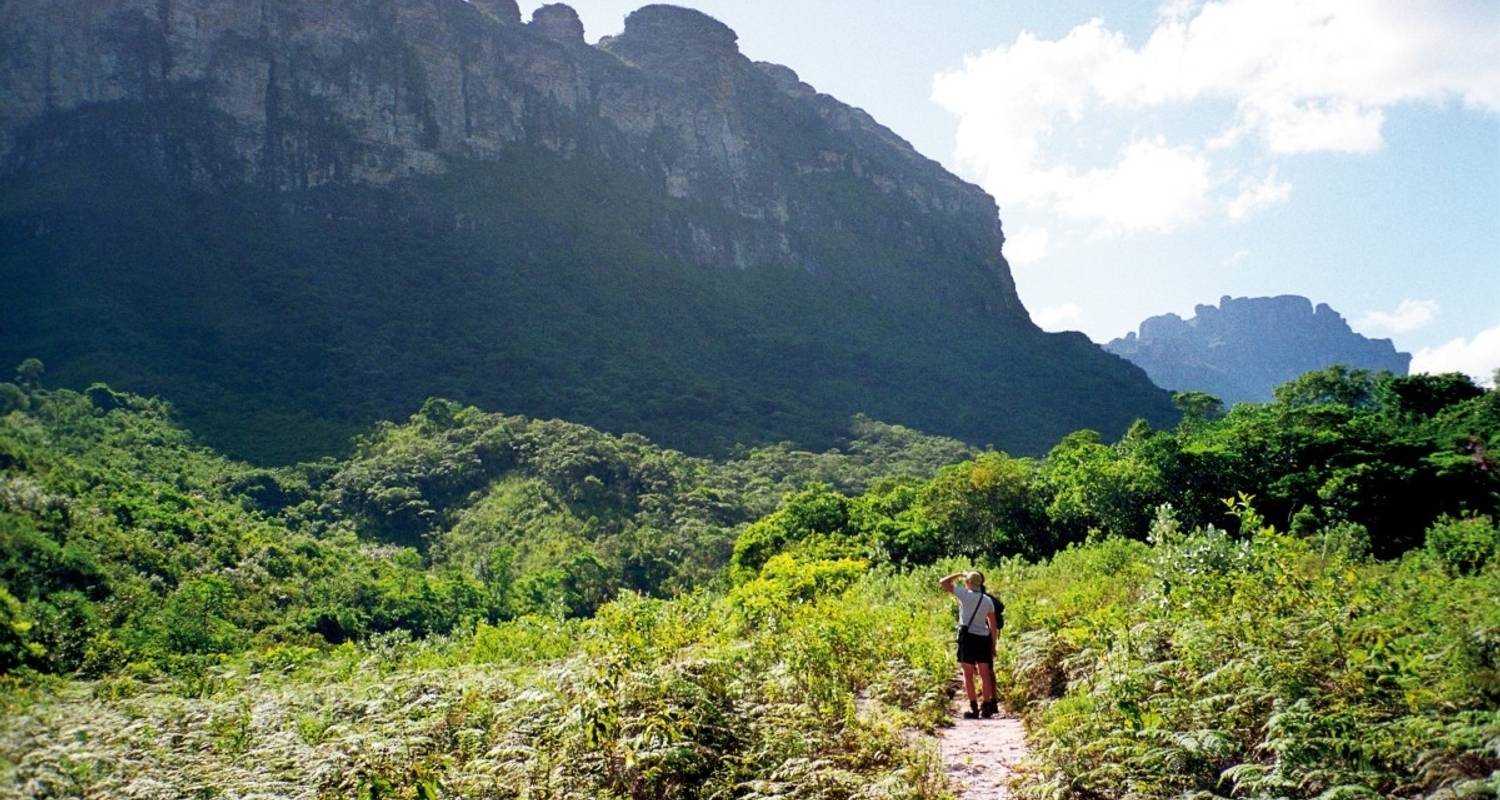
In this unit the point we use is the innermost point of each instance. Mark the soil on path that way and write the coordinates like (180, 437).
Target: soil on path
(980, 755)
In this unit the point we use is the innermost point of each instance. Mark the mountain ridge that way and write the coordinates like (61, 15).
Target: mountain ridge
(297, 218)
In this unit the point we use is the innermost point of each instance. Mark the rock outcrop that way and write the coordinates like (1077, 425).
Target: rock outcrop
(501, 10)
(558, 21)
(1241, 349)
(345, 144)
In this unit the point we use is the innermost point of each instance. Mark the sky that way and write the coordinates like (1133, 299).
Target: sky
(1150, 158)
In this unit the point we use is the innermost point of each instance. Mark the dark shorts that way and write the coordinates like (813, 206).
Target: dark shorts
(975, 649)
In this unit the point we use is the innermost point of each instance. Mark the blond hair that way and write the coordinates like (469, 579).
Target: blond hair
(975, 580)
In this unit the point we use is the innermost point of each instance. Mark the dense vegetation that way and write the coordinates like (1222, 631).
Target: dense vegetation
(1274, 666)
(1288, 600)
(121, 541)
(1380, 457)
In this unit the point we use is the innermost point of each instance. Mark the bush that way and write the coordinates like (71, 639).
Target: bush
(196, 618)
(1464, 545)
(16, 647)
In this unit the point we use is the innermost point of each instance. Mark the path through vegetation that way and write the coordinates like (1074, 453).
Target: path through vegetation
(980, 755)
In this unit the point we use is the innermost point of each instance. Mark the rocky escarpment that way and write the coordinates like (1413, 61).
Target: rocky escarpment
(308, 214)
(1241, 349)
(294, 95)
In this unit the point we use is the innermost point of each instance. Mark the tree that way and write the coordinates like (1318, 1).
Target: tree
(1093, 485)
(1198, 406)
(104, 398)
(12, 398)
(1424, 395)
(815, 512)
(29, 373)
(1337, 384)
(985, 507)
(195, 619)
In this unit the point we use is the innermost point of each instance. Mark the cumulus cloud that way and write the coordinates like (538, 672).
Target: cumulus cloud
(1153, 187)
(1027, 246)
(1296, 76)
(1478, 357)
(1056, 318)
(1408, 316)
(1258, 194)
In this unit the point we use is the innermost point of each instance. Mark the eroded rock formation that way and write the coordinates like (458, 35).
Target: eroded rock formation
(1241, 349)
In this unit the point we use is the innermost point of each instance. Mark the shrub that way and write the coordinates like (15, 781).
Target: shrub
(1464, 545)
(16, 647)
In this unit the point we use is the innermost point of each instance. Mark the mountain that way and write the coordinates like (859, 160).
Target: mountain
(293, 218)
(1244, 347)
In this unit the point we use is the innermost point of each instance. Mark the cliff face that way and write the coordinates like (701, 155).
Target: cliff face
(1240, 350)
(294, 161)
(296, 95)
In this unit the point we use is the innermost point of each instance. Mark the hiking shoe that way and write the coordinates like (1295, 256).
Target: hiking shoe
(990, 709)
(973, 712)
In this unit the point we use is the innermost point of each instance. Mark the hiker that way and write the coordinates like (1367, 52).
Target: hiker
(978, 627)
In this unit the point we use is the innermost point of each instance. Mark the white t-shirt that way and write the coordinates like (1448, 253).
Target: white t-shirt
(967, 600)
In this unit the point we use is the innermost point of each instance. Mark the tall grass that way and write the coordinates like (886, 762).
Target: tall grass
(809, 682)
(1276, 667)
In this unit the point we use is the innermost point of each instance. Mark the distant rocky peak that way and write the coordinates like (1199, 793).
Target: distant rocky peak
(678, 41)
(558, 21)
(1241, 349)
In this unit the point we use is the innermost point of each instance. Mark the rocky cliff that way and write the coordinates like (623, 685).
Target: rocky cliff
(272, 204)
(1241, 349)
(296, 95)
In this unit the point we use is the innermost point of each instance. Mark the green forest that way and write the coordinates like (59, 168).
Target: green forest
(1289, 600)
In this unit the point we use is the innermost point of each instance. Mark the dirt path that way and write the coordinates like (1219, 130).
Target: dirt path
(980, 755)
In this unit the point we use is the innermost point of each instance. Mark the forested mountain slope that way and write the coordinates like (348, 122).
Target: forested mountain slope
(296, 218)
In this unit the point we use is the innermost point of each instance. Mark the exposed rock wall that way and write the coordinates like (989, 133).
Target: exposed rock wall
(292, 95)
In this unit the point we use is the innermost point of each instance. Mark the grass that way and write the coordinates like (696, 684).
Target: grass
(811, 694)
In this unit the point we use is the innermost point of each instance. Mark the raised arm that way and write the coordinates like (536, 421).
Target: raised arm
(946, 584)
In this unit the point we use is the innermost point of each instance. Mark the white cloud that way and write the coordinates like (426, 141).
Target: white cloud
(1154, 188)
(1237, 259)
(1255, 195)
(1297, 76)
(1409, 315)
(1055, 318)
(1478, 357)
(1027, 246)
(1345, 128)
(1176, 10)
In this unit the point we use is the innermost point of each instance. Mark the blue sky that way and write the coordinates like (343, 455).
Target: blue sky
(1149, 158)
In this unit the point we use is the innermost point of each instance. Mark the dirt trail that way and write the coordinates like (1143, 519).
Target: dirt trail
(980, 755)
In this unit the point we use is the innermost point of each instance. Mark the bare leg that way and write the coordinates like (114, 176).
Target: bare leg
(969, 681)
(987, 672)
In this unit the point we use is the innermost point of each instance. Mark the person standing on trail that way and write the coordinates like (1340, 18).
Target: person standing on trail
(978, 628)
